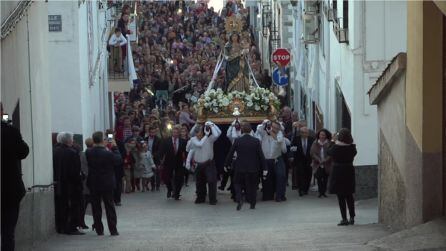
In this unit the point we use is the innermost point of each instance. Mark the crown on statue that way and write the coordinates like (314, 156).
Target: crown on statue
(234, 24)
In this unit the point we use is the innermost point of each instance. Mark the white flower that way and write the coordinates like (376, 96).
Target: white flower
(249, 104)
(215, 109)
(225, 101)
(257, 107)
(206, 105)
(207, 98)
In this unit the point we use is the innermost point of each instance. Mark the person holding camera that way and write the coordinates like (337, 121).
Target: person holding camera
(273, 146)
(202, 145)
(14, 149)
(102, 181)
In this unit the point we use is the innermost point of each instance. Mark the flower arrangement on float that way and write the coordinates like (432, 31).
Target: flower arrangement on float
(254, 105)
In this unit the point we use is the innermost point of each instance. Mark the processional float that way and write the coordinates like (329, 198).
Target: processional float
(240, 95)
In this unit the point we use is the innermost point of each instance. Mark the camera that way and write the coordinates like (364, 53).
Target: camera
(110, 137)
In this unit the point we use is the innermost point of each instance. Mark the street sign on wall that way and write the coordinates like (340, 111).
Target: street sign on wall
(54, 23)
(281, 57)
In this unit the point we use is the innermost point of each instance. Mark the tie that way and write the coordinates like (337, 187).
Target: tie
(305, 146)
(175, 145)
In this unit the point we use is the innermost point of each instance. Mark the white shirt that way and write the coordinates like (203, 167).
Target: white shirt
(272, 148)
(203, 150)
(117, 40)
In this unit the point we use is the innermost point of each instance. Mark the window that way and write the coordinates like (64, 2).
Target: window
(345, 14)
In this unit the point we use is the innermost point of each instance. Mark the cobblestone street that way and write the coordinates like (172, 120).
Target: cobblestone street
(148, 221)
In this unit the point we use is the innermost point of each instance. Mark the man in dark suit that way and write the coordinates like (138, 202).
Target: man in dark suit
(173, 154)
(14, 149)
(153, 143)
(102, 181)
(248, 164)
(302, 170)
(68, 185)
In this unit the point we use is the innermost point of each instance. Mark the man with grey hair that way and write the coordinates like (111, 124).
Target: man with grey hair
(68, 185)
(302, 171)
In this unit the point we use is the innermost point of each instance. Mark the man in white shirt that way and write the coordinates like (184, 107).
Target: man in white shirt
(202, 145)
(273, 146)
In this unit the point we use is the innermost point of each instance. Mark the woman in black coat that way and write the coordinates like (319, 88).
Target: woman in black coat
(342, 182)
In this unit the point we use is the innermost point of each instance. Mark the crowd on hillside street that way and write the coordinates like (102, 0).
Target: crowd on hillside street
(157, 139)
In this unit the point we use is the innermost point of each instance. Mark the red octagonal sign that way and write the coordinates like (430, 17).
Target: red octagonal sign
(281, 57)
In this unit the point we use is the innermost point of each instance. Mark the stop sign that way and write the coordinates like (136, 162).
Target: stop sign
(281, 57)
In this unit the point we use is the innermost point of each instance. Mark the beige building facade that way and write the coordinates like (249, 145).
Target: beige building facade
(410, 96)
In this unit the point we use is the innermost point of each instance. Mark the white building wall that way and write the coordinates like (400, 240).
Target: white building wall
(64, 64)
(82, 106)
(25, 79)
(376, 34)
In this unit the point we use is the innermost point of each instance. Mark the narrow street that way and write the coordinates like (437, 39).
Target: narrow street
(148, 221)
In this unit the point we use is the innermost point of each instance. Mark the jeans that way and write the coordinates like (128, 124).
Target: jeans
(280, 175)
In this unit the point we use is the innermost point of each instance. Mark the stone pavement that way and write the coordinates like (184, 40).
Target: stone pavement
(149, 221)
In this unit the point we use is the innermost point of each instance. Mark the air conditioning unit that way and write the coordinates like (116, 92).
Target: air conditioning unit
(310, 28)
(340, 33)
(311, 7)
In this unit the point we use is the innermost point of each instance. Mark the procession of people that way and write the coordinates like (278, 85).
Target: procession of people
(158, 140)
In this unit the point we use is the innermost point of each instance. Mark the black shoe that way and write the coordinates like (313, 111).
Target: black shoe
(98, 232)
(284, 198)
(324, 195)
(320, 196)
(177, 197)
(213, 203)
(169, 194)
(114, 233)
(221, 188)
(239, 206)
(252, 206)
(75, 232)
(301, 194)
(198, 201)
(343, 222)
(83, 226)
(278, 200)
(352, 221)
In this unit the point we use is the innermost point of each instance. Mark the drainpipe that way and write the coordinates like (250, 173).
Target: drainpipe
(30, 96)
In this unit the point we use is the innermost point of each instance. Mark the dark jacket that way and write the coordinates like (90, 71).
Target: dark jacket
(14, 149)
(66, 171)
(155, 148)
(172, 161)
(250, 158)
(302, 159)
(342, 179)
(101, 168)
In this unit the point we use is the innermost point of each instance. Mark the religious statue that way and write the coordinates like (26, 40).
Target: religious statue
(235, 54)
